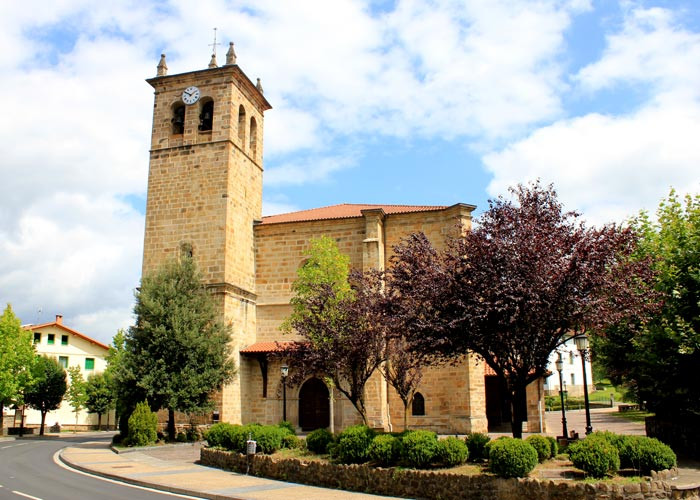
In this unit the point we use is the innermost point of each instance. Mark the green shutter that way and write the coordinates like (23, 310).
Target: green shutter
(89, 363)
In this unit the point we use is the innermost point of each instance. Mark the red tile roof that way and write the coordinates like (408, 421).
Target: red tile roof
(69, 330)
(345, 211)
(267, 347)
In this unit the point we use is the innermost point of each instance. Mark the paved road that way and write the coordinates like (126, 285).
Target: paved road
(28, 470)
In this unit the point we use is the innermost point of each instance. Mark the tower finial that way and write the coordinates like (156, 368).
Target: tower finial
(162, 67)
(259, 86)
(230, 55)
(212, 63)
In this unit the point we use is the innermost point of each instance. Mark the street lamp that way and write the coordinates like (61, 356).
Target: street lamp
(560, 367)
(582, 346)
(285, 371)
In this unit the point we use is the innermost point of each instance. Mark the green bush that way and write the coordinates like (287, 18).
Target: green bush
(419, 448)
(291, 442)
(143, 426)
(193, 434)
(384, 450)
(553, 446)
(596, 456)
(353, 443)
(284, 424)
(222, 435)
(476, 443)
(646, 454)
(616, 440)
(317, 441)
(452, 451)
(541, 445)
(510, 457)
(181, 437)
(267, 437)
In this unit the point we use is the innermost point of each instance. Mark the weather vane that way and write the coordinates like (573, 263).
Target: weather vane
(213, 45)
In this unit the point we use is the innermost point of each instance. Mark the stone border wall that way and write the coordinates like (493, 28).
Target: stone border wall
(436, 485)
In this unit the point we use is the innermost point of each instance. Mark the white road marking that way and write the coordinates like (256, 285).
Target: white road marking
(13, 446)
(25, 495)
(58, 462)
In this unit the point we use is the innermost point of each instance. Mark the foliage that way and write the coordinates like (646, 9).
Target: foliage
(16, 360)
(76, 394)
(221, 435)
(510, 457)
(403, 370)
(178, 351)
(553, 446)
(384, 450)
(284, 424)
(452, 451)
(669, 342)
(48, 387)
(476, 443)
(645, 454)
(291, 441)
(268, 437)
(596, 457)
(339, 317)
(419, 448)
(317, 441)
(100, 397)
(353, 443)
(541, 445)
(193, 434)
(143, 426)
(515, 287)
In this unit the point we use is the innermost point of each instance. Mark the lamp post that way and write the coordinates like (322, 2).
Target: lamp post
(560, 367)
(285, 371)
(582, 346)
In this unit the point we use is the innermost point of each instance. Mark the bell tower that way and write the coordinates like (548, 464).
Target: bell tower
(205, 189)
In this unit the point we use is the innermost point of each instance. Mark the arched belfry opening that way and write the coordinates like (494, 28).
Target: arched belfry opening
(178, 118)
(253, 136)
(314, 405)
(206, 116)
(241, 124)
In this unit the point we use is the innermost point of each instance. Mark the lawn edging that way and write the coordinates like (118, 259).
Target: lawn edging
(434, 484)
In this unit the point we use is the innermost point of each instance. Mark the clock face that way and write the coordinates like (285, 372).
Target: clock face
(190, 95)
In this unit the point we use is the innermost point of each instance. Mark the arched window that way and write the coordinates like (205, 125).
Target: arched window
(418, 405)
(206, 117)
(253, 135)
(178, 119)
(241, 125)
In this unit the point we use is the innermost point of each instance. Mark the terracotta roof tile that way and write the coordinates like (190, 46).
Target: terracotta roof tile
(70, 330)
(345, 211)
(266, 347)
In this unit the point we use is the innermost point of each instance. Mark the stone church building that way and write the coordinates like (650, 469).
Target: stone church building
(205, 199)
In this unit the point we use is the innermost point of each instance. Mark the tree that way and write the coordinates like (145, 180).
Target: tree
(523, 281)
(76, 392)
(122, 382)
(100, 397)
(404, 371)
(178, 351)
(669, 343)
(338, 316)
(16, 360)
(49, 386)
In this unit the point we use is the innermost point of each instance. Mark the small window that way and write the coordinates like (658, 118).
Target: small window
(37, 337)
(418, 405)
(50, 339)
(571, 357)
(241, 125)
(573, 379)
(206, 117)
(64, 339)
(89, 363)
(253, 135)
(63, 361)
(178, 119)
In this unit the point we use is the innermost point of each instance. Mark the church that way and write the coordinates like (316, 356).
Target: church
(205, 187)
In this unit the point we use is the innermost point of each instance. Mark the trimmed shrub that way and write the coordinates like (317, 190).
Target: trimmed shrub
(317, 441)
(284, 424)
(452, 451)
(181, 437)
(645, 454)
(476, 443)
(291, 442)
(353, 443)
(268, 438)
(553, 446)
(616, 440)
(541, 446)
(143, 425)
(223, 435)
(419, 448)
(384, 450)
(510, 457)
(596, 457)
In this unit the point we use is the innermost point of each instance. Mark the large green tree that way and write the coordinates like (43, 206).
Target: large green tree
(178, 351)
(16, 360)
(48, 387)
(660, 363)
(100, 396)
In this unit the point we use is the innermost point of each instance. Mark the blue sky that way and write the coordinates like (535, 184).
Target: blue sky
(403, 102)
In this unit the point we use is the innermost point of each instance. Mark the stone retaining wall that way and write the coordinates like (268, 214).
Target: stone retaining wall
(436, 485)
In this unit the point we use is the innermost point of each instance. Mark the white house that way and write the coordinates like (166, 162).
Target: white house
(70, 348)
(572, 374)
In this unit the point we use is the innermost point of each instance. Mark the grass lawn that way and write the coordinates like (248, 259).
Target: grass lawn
(633, 415)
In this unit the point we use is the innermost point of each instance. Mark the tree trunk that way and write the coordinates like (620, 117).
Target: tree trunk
(516, 417)
(99, 421)
(405, 416)
(43, 419)
(171, 424)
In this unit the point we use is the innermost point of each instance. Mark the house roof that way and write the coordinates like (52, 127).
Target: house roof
(59, 324)
(268, 347)
(346, 211)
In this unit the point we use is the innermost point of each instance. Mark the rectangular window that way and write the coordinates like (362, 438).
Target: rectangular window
(64, 339)
(89, 363)
(573, 379)
(37, 337)
(51, 338)
(571, 357)
(63, 361)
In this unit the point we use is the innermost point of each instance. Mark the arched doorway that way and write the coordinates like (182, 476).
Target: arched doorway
(314, 407)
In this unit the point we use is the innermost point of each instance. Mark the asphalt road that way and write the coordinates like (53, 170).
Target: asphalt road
(29, 469)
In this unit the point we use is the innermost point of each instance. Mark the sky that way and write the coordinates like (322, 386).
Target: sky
(426, 102)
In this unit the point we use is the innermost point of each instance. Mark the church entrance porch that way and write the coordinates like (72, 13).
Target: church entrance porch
(314, 406)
